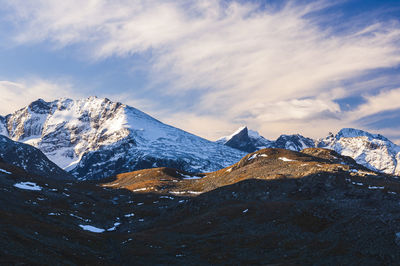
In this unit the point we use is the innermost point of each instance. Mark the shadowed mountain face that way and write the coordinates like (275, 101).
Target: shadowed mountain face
(29, 159)
(245, 140)
(272, 207)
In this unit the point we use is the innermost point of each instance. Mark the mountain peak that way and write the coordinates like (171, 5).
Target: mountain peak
(295, 142)
(245, 140)
(240, 130)
(352, 133)
(39, 106)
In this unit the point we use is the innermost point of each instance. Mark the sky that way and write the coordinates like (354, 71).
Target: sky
(211, 66)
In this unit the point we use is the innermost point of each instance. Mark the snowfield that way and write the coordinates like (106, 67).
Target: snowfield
(28, 186)
(92, 229)
(285, 159)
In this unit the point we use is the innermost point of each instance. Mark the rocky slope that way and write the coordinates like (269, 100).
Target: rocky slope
(274, 207)
(370, 150)
(95, 138)
(29, 159)
(265, 164)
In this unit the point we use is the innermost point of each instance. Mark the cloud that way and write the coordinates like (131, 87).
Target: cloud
(16, 95)
(274, 68)
(384, 101)
(206, 126)
(378, 113)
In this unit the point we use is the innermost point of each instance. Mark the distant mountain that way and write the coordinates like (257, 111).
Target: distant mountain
(373, 151)
(30, 159)
(94, 138)
(245, 140)
(250, 141)
(294, 142)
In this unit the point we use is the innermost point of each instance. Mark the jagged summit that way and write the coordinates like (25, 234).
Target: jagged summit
(245, 140)
(294, 142)
(250, 141)
(353, 133)
(228, 138)
(95, 138)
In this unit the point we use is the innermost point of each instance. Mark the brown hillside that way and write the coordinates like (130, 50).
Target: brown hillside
(266, 164)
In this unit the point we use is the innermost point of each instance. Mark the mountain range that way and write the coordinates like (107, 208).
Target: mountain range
(95, 138)
(373, 151)
(74, 191)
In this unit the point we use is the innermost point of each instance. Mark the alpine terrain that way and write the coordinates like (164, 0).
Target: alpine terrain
(373, 151)
(274, 206)
(95, 138)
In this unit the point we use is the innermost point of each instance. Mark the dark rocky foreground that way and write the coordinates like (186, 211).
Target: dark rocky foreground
(322, 218)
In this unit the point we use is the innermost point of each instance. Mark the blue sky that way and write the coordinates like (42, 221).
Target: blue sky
(208, 67)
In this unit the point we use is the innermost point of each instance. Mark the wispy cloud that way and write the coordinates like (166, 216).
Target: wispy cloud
(273, 68)
(16, 95)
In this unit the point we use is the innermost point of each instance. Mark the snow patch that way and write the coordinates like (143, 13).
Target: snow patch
(4, 171)
(252, 157)
(92, 229)
(188, 177)
(28, 186)
(142, 189)
(185, 192)
(256, 155)
(114, 227)
(286, 159)
(375, 187)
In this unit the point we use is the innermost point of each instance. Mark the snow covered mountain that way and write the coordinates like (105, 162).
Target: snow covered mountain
(94, 138)
(30, 159)
(250, 141)
(372, 151)
(294, 142)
